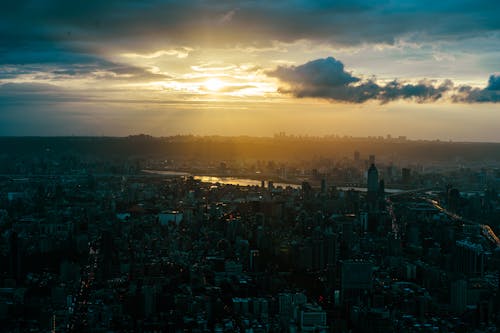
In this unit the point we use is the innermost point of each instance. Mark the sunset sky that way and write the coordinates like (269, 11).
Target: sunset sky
(425, 69)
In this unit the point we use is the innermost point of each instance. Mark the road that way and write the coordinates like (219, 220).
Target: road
(485, 229)
(79, 321)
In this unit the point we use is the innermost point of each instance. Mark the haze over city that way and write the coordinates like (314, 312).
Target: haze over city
(426, 69)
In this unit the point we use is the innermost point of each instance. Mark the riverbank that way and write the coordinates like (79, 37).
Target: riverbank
(248, 181)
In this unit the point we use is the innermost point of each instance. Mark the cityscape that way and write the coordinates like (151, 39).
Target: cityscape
(250, 166)
(124, 241)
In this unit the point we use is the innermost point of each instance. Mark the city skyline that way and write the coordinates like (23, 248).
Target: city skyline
(424, 70)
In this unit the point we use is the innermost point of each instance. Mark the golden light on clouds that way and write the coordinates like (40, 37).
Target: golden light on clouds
(202, 73)
(255, 67)
(214, 84)
(182, 52)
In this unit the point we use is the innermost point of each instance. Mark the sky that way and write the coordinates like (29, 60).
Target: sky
(423, 69)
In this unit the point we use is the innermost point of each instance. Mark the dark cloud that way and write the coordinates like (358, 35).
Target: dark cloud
(494, 83)
(35, 94)
(327, 72)
(109, 71)
(68, 39)
(490, 94)
(89, 68)
(36, 27)
(424, 91)
(327, 78)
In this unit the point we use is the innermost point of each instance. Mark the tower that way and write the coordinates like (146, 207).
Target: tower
(372, 188)
(372, 199)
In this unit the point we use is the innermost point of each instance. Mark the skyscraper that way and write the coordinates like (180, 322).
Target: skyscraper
(372, 178)
(372, 188)
(356, 279)
(372, 198)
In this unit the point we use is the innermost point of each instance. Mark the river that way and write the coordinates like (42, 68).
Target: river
(247, 181)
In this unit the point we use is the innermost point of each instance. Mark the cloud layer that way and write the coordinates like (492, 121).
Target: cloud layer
(326, 78)
(201, 21)
(57, 30)
(65, 34)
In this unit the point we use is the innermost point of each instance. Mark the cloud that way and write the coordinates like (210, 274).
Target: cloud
(327, 72)
(494, 83)
(57, 40)
(424, 91)
(91, 68)
(179, 53)
(489, 94)
(327, 78)
(132, 25)
(231, 88)
(227, 17)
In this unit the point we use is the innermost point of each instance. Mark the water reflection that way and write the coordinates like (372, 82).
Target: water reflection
(239, 181)
(247, 181)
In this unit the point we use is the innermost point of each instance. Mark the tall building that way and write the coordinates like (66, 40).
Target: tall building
(470, 258)
(458, 296)
(312, 318)
(381, 189)
(356, 279)
(372, 188)
(287, 303)
(372, 178)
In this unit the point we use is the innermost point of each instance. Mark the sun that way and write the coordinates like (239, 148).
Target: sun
(213, 84)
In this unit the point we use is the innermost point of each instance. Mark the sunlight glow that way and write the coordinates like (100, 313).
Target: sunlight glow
(214, 84)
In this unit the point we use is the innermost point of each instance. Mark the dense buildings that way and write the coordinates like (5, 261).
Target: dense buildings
(107, 247)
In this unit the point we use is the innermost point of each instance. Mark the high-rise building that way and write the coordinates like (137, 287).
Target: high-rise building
(356, 278)
(469, 258)
(381, 189)
(458, 296)
(372, 188)
(288, 301)
(107, 247)
(372, 178)
(311, 318)
(255, 261)
(150, 298)
(405, 175)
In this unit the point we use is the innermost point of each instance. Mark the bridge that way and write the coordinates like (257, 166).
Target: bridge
(414, 191)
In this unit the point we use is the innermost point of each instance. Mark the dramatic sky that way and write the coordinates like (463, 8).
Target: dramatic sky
(425, 69)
